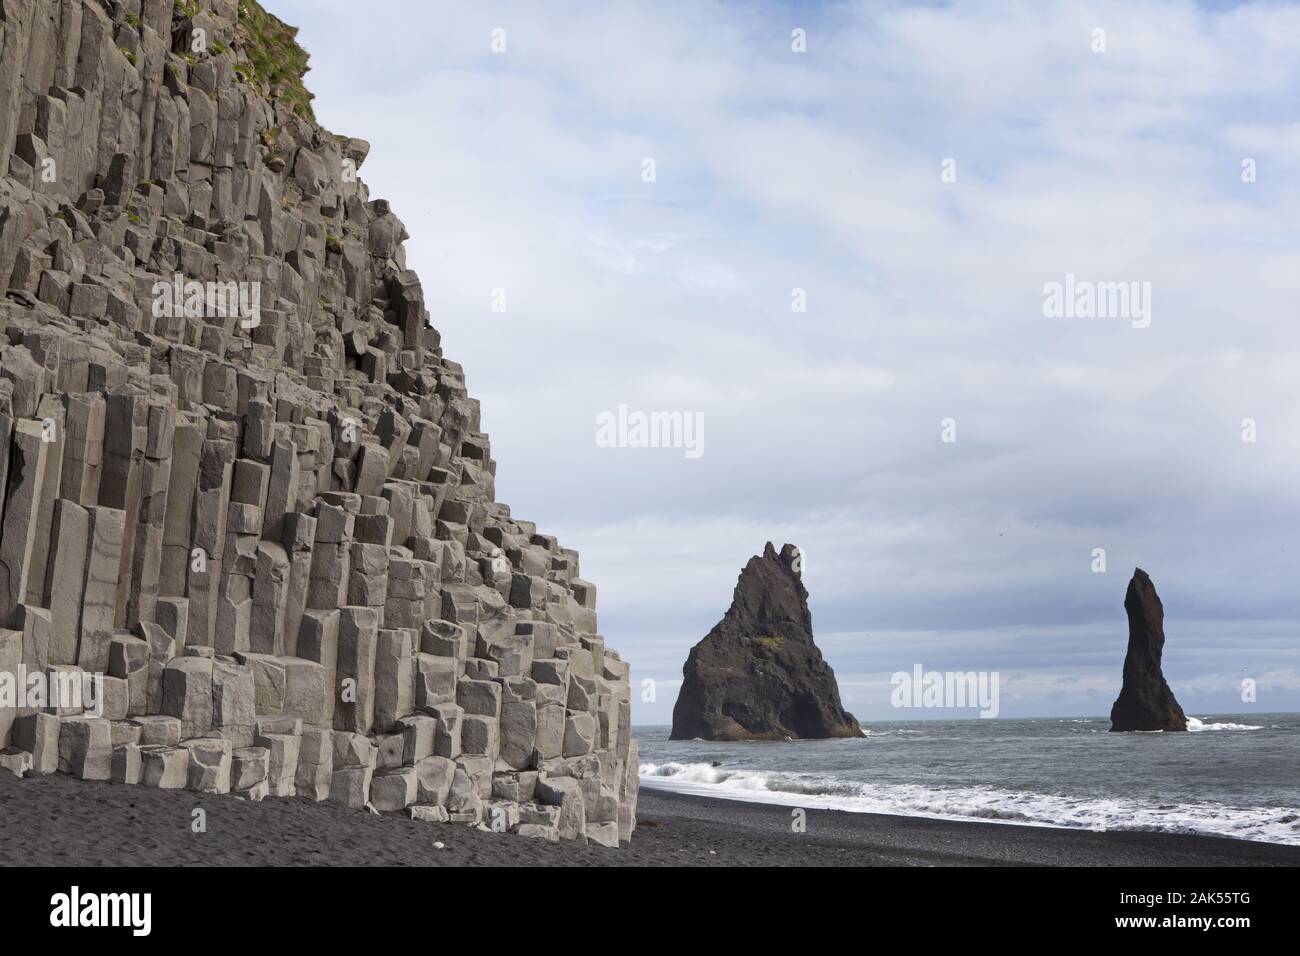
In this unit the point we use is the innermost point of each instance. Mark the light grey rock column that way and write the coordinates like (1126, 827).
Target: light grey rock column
(22, 502)
(187, 694)
(99, 605)
(66, 579)
(394, 678)
(212, 501)
(354, 690)
(51, 416)
(11, 656)
(125, 430)
(83, 450)
(298, 538)
(187, 446)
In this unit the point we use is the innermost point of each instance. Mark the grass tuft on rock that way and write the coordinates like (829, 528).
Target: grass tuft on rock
(276, 61)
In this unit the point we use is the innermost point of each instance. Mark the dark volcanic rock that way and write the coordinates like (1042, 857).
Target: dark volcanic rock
(1145, 701)
(758, 675)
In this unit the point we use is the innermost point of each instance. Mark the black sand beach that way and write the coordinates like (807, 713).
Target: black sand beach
(58, 820)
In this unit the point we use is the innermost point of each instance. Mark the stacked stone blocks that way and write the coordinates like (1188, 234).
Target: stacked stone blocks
(272, 539)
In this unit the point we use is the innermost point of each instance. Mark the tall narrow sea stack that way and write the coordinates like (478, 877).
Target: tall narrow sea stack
(239, 478)
(1145, 701)
(758, 675)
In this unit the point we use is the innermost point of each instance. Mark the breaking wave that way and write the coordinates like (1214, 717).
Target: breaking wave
(817, 791)
(1196, 725)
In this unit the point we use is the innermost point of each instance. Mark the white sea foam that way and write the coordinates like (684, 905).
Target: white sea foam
(817, 791)
(1196, 725)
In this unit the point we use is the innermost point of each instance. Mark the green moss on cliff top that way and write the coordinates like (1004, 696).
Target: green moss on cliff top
(277, 61)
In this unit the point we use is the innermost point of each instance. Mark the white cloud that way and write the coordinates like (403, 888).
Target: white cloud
(821, 171)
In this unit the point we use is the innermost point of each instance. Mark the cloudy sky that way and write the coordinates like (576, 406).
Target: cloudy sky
(921, 172)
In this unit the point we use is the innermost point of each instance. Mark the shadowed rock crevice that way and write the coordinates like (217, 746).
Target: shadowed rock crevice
(758, 675)
(1145, 701)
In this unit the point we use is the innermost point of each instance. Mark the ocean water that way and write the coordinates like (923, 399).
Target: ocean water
(1235, 775)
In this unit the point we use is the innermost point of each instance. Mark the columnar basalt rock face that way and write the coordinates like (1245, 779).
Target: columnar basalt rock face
(271, 527)
(758, 675)
(1145, 701)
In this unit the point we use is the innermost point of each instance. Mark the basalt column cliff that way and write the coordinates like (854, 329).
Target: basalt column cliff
(240, 480)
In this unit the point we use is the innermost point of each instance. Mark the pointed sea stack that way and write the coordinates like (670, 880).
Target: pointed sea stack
(1145, 701)
(758, 675)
